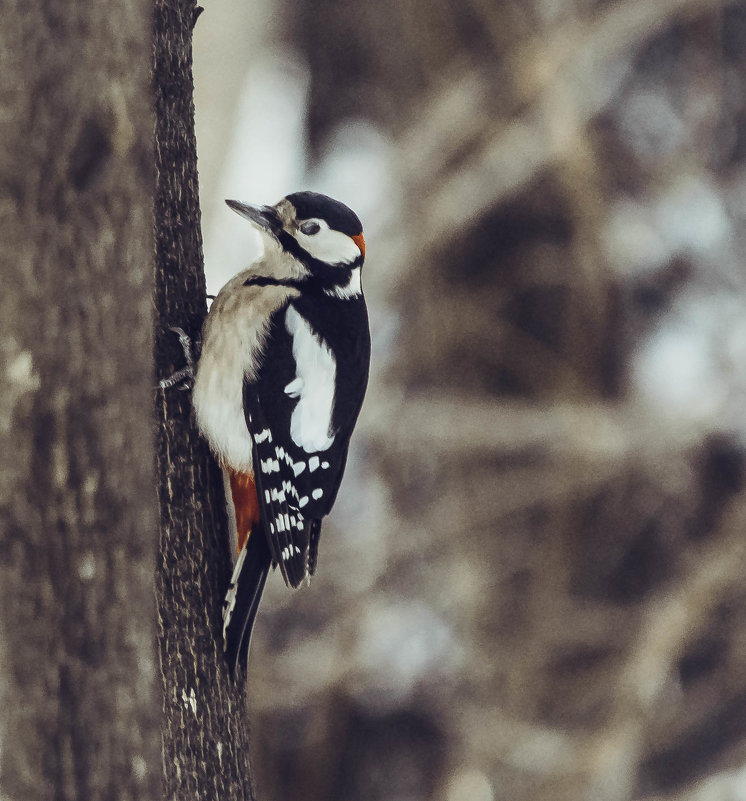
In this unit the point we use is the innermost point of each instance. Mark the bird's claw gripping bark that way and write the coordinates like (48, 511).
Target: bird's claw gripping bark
(184, 378)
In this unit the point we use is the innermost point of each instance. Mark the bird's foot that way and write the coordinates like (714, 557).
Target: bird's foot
(182, 379)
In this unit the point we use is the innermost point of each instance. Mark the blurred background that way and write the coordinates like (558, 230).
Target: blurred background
(533, 583)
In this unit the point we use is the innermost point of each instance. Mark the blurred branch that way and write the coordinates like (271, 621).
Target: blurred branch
(726, 785)
(579, 47)
(465, 426)
(565, 76)
(670, 622)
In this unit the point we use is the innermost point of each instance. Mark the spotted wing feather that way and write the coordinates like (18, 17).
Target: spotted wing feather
(284, 524)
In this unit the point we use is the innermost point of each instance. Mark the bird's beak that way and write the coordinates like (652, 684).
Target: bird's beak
(263, 217)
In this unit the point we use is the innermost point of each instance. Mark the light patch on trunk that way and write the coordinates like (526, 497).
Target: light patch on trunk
(311, 420)
(190, 700)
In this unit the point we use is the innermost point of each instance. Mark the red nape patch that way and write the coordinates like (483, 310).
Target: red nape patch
(360, 242)
(246, 504)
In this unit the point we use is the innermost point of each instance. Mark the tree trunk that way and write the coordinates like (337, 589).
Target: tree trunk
(205, 735)
(76, 454)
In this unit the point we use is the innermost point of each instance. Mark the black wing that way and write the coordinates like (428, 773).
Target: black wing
(297, 487)
(285, 526)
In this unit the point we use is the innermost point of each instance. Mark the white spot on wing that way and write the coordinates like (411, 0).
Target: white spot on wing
(262, 435)
(313, 463)
(317, 493)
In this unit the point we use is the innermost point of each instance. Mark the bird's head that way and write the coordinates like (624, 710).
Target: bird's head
(322, 233)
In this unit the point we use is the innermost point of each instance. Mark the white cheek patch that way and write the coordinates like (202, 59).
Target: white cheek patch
(315, 375)
(332, 247)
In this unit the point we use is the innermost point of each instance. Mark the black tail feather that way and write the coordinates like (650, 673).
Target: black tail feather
(313, 545)
(242, 599)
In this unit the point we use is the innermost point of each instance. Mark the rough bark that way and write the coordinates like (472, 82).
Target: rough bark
(205, 735)
(76, 455)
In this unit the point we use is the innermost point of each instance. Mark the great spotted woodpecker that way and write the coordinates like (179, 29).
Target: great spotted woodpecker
(278, 387)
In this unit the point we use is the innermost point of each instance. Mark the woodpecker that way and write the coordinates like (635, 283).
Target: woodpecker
(278, 387)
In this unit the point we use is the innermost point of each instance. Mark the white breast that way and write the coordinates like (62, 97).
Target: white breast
(217, 396)
(315, 376)
(233, 339)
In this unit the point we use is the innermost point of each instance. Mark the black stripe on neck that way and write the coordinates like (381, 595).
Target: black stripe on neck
(265, 280)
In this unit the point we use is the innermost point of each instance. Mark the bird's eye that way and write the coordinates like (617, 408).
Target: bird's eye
(310, 228)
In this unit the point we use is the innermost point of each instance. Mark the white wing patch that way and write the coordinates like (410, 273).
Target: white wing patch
(311, 421)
